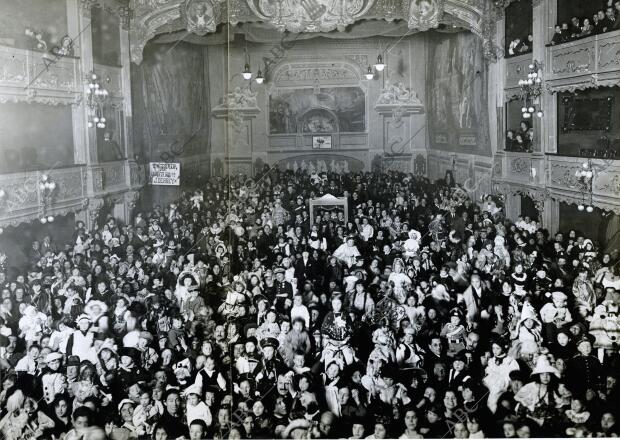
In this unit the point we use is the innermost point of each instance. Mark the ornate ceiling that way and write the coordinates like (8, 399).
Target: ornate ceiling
(201, 17)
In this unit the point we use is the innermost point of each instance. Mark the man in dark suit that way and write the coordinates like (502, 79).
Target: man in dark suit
(305, 268)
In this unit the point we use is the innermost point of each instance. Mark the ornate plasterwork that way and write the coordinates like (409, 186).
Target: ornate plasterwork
(309, 15)
(423, 14)
(310, 72)
(151, 17)
(397, 94)
(201, 16)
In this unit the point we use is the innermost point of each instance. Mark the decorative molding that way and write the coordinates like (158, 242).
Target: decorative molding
(397, 94)
(316, 16)
(423, 15)
(201, 17)
(152, 17)
(308, 72)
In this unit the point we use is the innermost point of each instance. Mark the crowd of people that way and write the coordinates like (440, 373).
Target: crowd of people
(604, 19)
(521, 139)
(228, 314)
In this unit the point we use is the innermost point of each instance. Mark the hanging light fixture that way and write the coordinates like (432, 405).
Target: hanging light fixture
(580, 207)
(531, 90)
(247, 73)
(380, 65)
(259, 77)
(369, 74)
(97, 97)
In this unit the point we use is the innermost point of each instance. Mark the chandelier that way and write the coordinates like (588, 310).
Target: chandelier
(47, 189)
(585, 177)
(97, 96)
(531, 89)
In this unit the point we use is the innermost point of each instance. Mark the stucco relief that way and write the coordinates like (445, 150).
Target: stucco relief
(520, 166)
(423, 14)
(309, 15)
(151, 17)
(572, 60)
(609, 54)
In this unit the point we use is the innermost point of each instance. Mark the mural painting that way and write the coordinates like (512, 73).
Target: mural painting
(325, 110)
(457, 93)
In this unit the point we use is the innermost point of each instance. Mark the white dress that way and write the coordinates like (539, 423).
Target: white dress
(497, 379)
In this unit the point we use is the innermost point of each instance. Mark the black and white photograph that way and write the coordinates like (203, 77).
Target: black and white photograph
(309, 219)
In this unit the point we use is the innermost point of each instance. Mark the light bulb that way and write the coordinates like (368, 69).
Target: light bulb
(539, 113)
(41, 186)
(44, 177)
(102, 119)
(379, 66)
(590, 208)
(538, 80)
(91, 86)
(530, 81)
(585, 165)
(588, 174)
(96, 85)
(1, 230)
(88, 91)
(580, 207)
(369, 74)
(247, 73)
(94, 76)
(43, 220)
(531, 66)
(50, 218)
(534, 75)
(96, 119)
(523, 109)
(90, 124)
(526, 115)
(52, 185)
(531, 110)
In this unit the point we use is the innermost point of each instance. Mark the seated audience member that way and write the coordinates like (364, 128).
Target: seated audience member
(274, 327)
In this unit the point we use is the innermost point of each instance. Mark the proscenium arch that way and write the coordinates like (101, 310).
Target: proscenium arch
(154, 17)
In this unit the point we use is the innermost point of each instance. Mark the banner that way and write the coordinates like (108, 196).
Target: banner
(162, 173)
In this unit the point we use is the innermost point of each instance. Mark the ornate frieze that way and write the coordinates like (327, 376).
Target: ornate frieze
(423, 14)
(151, 17)
(201, 16)
(588, 63)
(309, 15)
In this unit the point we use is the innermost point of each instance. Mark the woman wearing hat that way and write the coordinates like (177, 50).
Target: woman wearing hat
(96, 310)
(497, 372)
(537, 399)
(81, 341)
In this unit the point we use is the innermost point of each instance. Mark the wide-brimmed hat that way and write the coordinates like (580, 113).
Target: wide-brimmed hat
(544, 366)
(53, 357)
(90, 305)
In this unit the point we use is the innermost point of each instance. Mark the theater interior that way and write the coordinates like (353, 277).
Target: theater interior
(112, 110)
